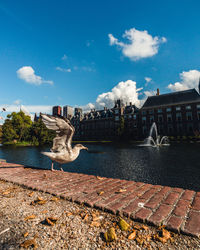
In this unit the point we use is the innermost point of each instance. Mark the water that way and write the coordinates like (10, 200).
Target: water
(177, 165)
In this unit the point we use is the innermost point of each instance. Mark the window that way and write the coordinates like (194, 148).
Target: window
(189, 116)
(178, 117)
(159, 110)
(170, 129)
(151, 119)
(144, 120)
(116, 118)
(130, 116)
(169, 118)
(198, 106)
(116, 111)
(178, 108)
(188, 107)
(198, 115)
(179, 128)
(151, 111)
(144, 112)
(134, 116)
(168, 109)
(160, 118)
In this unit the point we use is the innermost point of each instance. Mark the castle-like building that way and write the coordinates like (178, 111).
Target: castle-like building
(176, 114)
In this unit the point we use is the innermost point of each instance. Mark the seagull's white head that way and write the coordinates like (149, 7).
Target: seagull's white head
(80, 146)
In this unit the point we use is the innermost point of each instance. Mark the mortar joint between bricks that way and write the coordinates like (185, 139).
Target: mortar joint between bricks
(187, 214)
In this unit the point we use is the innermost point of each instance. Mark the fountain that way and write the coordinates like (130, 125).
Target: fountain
(155, 140)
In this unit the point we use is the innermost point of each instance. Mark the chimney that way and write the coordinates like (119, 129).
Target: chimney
(158, 92)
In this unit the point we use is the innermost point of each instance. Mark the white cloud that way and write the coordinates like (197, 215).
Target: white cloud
(64, 57)
(189, 80)
(27, 74)
(126, 91)
(140, 44)
(148, 79)
(63, 69)
(149, 93)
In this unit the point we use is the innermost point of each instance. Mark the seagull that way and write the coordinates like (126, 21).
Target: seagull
(62, 151)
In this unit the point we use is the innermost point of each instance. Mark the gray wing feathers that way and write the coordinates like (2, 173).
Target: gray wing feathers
(64, 129)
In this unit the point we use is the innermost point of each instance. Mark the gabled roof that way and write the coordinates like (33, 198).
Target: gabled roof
(180, 97)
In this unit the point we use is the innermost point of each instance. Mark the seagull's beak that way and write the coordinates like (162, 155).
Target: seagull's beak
(85, 148)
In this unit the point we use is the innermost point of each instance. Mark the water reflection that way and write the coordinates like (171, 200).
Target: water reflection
(177, 165)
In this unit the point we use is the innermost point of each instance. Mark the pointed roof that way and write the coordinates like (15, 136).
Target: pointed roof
(180, 97)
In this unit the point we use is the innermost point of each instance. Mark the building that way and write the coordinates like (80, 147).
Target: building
(176, 114)
(57, 111)
(68, 112)
(106, 124)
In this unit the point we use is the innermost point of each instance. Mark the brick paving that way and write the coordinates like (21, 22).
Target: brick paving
(176, 208)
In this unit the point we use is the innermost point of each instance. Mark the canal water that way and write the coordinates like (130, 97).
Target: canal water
(177, 165)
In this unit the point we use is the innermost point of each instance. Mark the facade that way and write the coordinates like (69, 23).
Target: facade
(57, 111)
(68, 112)
(106, 124)
(176, 114)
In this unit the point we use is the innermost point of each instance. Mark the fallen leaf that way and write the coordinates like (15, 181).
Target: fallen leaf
(95, 224)
(30, 217)
(132, 236)
(31, 194)
(55, 199)
(144, 227)
(140, 240)
(124, 226)
(100, 178)
(39, 201)
(50, 220)
(68, 213)
(121, 191)
(29, 243)
(110, 235)
(166, 234)
(86, 217)
(26, 234)
(40, 198)
(44, 212)
(6, 192)
(100, 193)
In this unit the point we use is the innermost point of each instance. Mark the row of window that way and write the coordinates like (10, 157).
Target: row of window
(169, 109)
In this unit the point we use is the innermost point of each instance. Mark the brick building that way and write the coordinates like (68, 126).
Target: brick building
(57, 111)
(175, 114)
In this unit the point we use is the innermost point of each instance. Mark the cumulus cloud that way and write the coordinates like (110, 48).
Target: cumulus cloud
(149, 93)
(63, 69)
(148, 79)
(189, 80)
(126, 91)
(27, 74)
(140, 44)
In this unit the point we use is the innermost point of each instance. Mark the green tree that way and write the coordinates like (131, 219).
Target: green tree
(16, 127)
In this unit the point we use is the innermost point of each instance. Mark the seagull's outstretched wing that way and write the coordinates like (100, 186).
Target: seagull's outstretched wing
(62, 126)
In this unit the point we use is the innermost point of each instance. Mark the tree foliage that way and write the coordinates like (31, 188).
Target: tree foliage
(19, 128)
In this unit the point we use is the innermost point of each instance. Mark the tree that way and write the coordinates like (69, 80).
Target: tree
(16, 127)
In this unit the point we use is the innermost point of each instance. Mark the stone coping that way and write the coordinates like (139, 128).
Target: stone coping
(176, 208)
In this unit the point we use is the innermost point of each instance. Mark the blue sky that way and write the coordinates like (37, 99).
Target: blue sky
(88, 53)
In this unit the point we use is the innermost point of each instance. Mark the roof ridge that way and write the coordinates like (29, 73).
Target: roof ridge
(177, 92)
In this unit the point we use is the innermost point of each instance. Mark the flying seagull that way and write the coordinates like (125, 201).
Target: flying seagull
(62, 151)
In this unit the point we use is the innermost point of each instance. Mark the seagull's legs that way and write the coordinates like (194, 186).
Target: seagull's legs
(61, 167)
(52, 169)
